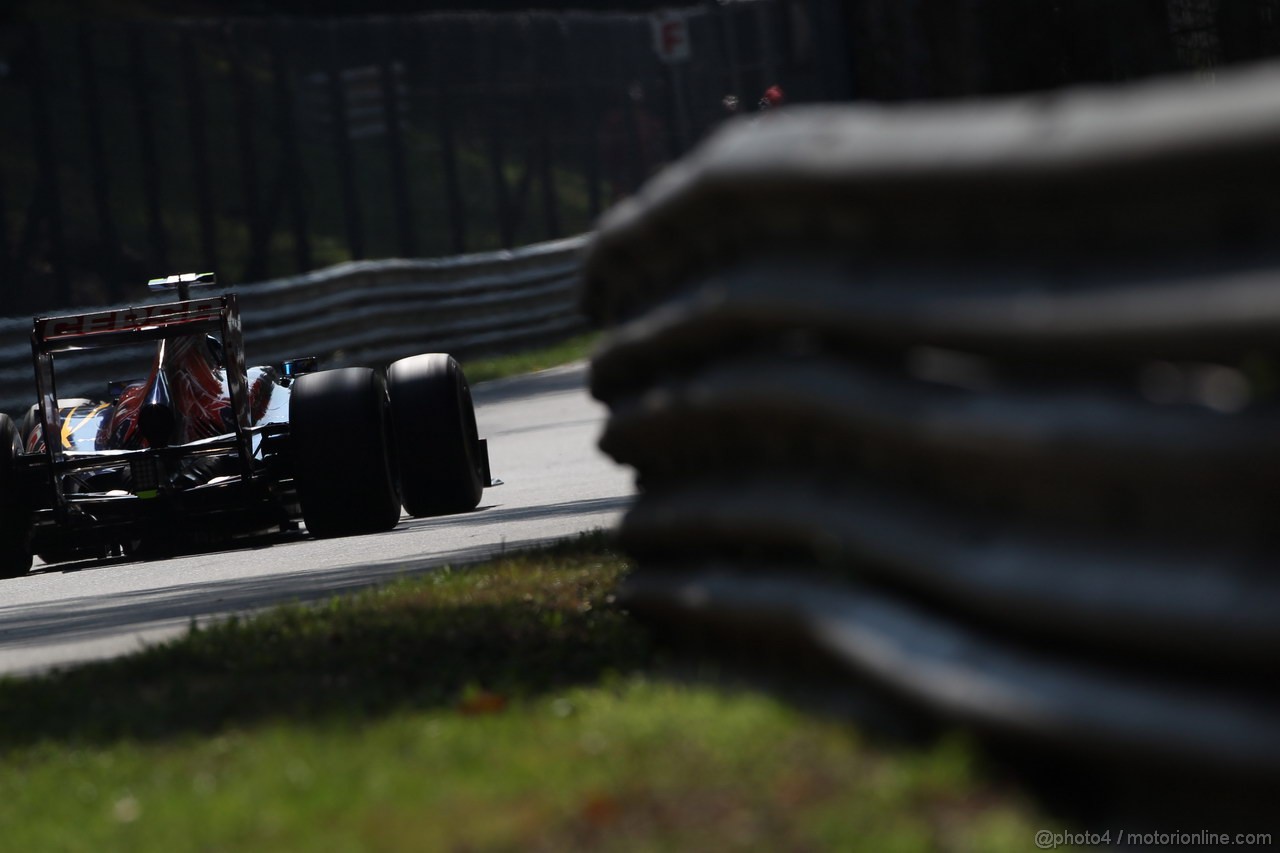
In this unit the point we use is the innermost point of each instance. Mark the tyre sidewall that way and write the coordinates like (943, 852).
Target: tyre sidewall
(437, 443)
(339, 441)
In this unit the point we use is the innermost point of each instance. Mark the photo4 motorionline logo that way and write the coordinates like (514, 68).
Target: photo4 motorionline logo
(1047, 840)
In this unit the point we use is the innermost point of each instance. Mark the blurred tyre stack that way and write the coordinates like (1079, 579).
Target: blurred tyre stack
(977, 404)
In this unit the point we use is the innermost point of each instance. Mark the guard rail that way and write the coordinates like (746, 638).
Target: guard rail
(358, 313)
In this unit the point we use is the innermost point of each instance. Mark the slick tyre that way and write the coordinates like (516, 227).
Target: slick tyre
(15, 514)
(339, 438)
(440, 461)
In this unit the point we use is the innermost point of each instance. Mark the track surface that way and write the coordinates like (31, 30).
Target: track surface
(542, 432)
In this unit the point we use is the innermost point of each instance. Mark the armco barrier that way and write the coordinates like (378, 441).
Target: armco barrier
(362, 312)
(977, 403)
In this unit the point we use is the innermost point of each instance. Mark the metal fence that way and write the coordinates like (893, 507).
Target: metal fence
(977, 403)
(259, 148)
(900, 49)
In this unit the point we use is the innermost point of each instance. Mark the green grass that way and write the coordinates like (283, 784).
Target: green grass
(506, 706)
(527, 361)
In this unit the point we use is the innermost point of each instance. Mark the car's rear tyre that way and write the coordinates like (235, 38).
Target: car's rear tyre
(15, 515)
(339, 441)
(441, 463)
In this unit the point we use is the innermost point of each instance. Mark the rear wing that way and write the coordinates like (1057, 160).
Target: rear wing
(133, 324)
(129, 325)
(218, 315)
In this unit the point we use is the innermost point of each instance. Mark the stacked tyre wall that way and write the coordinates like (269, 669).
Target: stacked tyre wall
(974, 403)
(365, 313)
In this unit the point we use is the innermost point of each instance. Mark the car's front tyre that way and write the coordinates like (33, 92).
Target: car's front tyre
(439, 458)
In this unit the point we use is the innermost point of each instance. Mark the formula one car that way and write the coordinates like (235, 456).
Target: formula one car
(203, 448)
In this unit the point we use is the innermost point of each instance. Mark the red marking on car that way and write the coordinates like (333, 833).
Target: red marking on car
(128, 319)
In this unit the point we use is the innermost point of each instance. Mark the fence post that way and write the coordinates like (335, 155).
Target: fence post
(196, 117)
(51, 201)
(705, 88)
(255, 268)
(8, 284)
(395, 142)
(837, 51)
(628, 156)
(443, 105)
(290, 156)
(99, 175)
(588, 120)
(765, 42)
(729, 28)
(488, 57)
(147, 153)
(342, 145)
(541, 86)
(679, 107)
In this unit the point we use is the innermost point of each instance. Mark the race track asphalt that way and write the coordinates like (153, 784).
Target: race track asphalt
(542, 432)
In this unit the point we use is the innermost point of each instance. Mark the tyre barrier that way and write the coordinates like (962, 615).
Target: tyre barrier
(362, 313)
(978, 404)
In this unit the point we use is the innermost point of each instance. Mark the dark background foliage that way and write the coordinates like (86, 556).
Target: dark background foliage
(253, 138)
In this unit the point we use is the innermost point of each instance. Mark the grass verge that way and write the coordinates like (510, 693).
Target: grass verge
(505, 706)
(501, 366)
